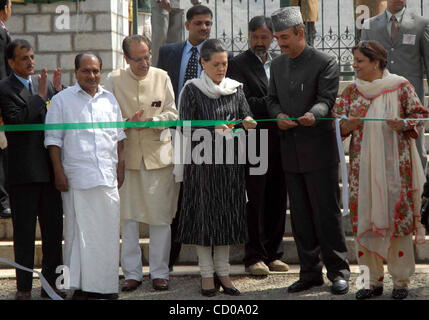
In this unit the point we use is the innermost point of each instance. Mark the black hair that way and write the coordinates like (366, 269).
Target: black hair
(81, 55)
(259, 22)
(197, 10)
(17, 43)
(4, 3)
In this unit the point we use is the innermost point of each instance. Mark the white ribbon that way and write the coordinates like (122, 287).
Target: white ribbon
(45, 284)
(344, 176)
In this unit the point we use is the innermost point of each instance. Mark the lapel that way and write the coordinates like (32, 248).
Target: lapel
(382, 27)
(19, 88)
(406, 24)
(177, 61)
(257, 68)
(34, 85)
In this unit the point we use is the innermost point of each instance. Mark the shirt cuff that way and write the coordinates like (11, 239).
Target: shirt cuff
(51, 141)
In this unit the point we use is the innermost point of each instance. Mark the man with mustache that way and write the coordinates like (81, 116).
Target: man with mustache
(88, 166)
(149, 194)
(23, 100)
(266, 206)
(304, 85)
(405, 36)
(180, 60)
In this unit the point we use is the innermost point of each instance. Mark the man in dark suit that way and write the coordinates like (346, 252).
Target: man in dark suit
(5, 14)
(405, 36)
(304, 85)
(266, 193)
(180, 60)
(23, 100)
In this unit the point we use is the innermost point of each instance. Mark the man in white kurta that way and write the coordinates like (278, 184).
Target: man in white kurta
(149, 194)
(85, 165)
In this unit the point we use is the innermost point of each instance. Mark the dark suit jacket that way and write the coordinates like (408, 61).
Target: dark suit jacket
(170, 58)
(4, 65)
(29, 160)
(248, 69)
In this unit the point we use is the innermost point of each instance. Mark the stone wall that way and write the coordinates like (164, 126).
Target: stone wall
(95, 25)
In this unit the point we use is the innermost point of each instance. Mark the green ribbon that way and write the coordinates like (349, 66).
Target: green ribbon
(147, 124)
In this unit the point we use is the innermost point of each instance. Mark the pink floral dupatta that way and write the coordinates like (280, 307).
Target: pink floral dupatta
(379, 180)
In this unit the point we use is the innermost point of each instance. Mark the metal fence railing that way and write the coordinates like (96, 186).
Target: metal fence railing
(336, 31)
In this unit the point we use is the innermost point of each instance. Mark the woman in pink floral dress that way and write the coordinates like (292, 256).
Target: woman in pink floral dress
(386, 176)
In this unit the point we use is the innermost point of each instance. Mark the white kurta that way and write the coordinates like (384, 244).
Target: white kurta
(149, 196)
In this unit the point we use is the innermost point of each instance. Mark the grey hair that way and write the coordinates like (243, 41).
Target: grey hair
(210, 47)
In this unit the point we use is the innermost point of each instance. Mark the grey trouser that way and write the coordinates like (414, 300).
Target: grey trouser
(167, 27)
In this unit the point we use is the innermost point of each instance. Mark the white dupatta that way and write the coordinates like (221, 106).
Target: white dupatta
(379, 179)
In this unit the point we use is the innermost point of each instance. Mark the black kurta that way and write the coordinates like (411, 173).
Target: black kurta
(214, 200)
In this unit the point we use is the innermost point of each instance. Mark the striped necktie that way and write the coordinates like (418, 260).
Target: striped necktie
(395, 28)
(192, 67)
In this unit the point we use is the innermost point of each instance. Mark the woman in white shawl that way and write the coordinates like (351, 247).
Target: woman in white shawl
(386, 177)
(213, 208)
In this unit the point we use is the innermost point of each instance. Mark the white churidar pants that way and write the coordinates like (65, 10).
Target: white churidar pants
(218, 263)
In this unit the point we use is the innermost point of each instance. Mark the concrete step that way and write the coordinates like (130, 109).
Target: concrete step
(6, 230)
(188, 254)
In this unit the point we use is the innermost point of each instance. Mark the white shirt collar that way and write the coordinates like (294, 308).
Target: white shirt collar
(77, 88)
(189, 46)
(269, 58)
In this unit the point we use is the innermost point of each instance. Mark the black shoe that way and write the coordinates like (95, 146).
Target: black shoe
(399, 294)
(302, 285)
(6, 213)
(80, 295)
(102, 296)
(340, 286)
(232, 291)
(208, 292)
(363, 294)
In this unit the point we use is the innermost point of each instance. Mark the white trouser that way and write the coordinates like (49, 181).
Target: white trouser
(159, 251)
(219, 263)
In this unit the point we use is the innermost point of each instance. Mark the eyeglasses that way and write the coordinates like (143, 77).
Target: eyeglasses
(138, 60)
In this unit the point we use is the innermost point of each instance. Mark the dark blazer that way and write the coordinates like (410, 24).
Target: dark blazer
(248, 69)
(29, 160)
(4, 42)
(170, 58)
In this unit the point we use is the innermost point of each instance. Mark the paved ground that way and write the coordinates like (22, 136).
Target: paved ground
(185, 285)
